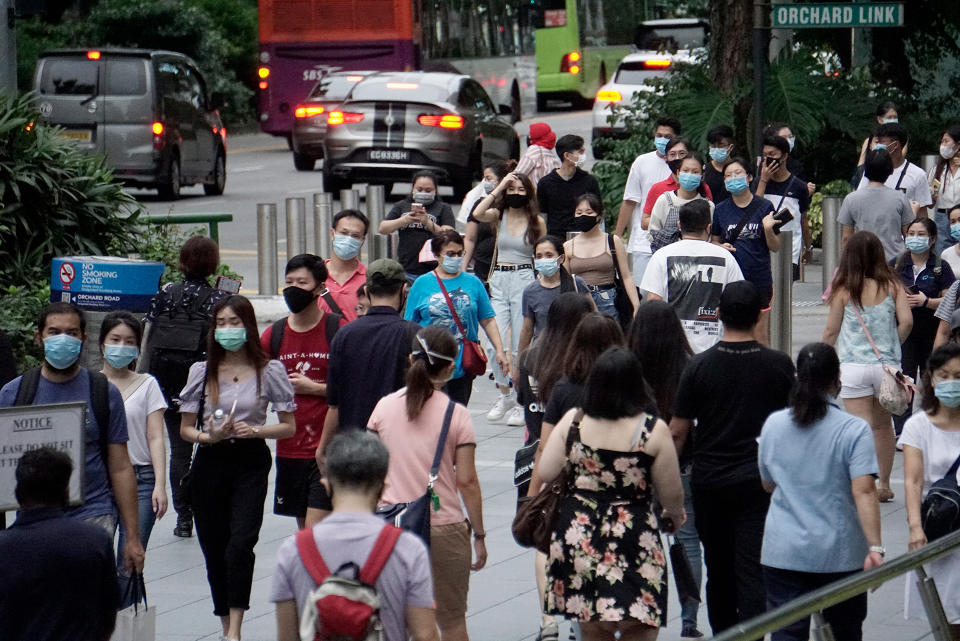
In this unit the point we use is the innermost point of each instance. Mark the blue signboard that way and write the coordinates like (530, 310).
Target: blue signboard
(103, 283)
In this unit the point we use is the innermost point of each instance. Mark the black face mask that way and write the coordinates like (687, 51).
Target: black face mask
(516, 201)
(585, 223)
(297, 298)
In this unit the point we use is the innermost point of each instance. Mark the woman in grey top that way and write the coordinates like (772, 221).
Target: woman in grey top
(512, 203)
(228, 482)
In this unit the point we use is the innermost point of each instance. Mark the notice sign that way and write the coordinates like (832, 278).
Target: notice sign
(846, 15)
(31, 427)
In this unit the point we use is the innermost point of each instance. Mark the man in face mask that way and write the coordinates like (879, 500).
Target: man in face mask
(906, 176)
(346, 272)
(558, 190)
(301, 342)
(61, 379)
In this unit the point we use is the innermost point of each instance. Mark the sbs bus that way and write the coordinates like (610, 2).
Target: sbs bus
(302, 40)
(579, 44)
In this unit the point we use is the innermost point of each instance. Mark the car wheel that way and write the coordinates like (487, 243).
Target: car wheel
(303, 162)
(289, 138)
(170, 190)
(541, 102)
(215, 188)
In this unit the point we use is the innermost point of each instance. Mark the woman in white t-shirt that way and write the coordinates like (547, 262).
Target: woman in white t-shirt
(120, 334)
(688, 174)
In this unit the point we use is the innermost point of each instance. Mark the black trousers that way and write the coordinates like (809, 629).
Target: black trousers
(180, 453)
(914, 354)
(845, 619)
(228, 487)
(460, 389)
(730, 524)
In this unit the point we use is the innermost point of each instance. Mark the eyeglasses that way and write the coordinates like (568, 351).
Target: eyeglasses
(676, 155)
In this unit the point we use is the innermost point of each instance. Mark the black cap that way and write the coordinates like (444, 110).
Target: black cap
(740, 299)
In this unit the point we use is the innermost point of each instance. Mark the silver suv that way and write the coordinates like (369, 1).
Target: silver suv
(147, 111)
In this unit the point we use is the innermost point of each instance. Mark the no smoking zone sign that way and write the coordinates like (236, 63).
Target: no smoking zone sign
(67, 273)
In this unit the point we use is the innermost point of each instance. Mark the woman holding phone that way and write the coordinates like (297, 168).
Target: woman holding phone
(229, 392)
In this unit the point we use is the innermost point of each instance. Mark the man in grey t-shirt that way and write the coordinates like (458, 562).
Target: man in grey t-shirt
(877, 208)
(356, 465)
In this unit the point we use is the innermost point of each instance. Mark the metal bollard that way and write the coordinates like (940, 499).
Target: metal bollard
(296, 227)
(267, 272)
(376, 242)
(820, 630)
(830, 238)
(781, 307)
(349, 199)
(322, 221)
(939, 626)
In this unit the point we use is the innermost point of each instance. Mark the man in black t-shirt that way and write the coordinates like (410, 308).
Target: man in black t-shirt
(557, 192)
(724, 396)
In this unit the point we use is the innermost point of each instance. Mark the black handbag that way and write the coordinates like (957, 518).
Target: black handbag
(622, 302)
(940, 510)
(687, 587)
(414, 517)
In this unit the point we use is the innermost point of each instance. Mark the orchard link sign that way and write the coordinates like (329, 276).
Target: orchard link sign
(837, 15)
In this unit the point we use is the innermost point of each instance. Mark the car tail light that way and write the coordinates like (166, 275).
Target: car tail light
(445, 121)
(263, 72)
(307, 111)
(263, 84)
(571, 63)
(656, 64)
(341, 117)
(609, 95)
(157, 129)
(93, 55)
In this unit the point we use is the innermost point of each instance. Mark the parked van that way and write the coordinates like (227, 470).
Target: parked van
(147, 111)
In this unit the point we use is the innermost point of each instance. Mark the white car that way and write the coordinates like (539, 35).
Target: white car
(661, 43)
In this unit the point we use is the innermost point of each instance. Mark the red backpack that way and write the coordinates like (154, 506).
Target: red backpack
(341, 608)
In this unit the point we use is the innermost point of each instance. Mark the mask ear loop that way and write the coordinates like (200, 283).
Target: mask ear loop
(425, 349)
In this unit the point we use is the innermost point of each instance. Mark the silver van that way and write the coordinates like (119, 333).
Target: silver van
(147, 111)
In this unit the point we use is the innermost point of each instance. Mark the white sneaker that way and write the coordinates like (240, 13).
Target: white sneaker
(504, 403)
(515, 418)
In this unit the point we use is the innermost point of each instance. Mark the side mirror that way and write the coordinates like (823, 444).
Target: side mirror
(218, 100)
(504, 110)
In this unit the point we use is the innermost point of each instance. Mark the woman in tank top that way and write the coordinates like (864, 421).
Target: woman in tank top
(512, 207)
(589, 257)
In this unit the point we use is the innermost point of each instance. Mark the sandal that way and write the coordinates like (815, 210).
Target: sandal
(885, 495)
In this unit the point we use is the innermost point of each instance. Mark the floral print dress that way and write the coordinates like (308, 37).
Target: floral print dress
(606, 562)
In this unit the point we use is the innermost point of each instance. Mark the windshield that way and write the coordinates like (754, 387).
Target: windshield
(635, 73)
(671, 38)
(400, 91)
(334, 87)
(69, 77)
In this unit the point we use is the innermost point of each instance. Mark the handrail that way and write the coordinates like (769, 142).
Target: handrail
(187, 219)
(838, 591)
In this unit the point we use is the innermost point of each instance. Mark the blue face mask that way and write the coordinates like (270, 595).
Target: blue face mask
(120, 355)
(719, 154)
(879, 145)
(955, 231)
(230, 338)
(661, 145)
(547, 266)
(61, 350)
(452, 264)
(917, 244)
(736, 185)
(887, 121)
(690, 182)
(948, 392)
(346, 247)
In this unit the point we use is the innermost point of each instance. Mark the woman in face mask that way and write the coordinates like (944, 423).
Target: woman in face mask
(120, 335)
(452, 298)
(886, 112)
(512, 208)
(416, 219)
(224, 409)
(590, 254)
(688, 174)
(926, 277)
(931, 444)
(479, 238)
(944, 180)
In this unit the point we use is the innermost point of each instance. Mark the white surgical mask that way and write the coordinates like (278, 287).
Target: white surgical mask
(948, 151)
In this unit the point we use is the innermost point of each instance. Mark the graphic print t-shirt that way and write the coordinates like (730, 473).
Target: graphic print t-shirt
(752, 253)
(426, 305)
(690, 275)
(306, 353)
(791, 194)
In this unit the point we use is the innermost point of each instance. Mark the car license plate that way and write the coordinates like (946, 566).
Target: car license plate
(389, 155)
(81, 135)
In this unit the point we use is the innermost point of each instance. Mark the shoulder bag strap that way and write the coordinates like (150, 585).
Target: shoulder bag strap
(134, 385)
(856, 310)
(310, 556)
(952, 472)
(203, 402)
(785, 190)
(613, 254)
(379, 555)
(903, 172)
(332, 326)
(438, 454)
(328, 297)
(575, 425)
(27, 390)
(453, 310)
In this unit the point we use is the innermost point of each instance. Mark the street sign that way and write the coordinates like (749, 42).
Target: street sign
(837, 15)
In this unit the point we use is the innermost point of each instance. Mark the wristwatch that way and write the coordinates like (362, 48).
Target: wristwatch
(879, 549)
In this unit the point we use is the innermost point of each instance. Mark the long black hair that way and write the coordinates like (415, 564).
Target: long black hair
(940, 357)
(818, 370)
(658, 340)
(563, 316)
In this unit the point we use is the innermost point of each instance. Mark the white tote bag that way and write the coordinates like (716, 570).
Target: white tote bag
(139, 621)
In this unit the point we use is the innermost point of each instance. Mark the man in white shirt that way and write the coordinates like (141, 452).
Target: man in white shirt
(647, 170)
(906, 176)
(691, 274)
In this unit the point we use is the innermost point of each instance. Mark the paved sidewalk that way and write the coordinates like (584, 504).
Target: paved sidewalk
(503, 601)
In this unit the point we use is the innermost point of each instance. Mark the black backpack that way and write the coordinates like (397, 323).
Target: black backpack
(177, 340)
(940, 510)
(279, 327)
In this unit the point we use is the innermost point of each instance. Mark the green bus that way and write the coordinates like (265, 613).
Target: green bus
(579, 44)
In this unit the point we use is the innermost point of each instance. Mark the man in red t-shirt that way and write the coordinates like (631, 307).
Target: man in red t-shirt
(301, 342)
(676, 150)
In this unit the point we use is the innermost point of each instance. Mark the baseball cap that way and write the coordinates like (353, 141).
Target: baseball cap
(385, 271)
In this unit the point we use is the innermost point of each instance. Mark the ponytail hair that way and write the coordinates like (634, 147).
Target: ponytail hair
(434, 349)
(818, 369)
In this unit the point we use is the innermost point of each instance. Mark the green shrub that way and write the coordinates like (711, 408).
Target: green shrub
(19, 309)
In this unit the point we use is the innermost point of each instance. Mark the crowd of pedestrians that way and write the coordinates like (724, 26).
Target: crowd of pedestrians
(639, 372)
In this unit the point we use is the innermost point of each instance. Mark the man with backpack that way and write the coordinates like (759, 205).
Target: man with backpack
(108, 474)
(301, 341)
(352, 575)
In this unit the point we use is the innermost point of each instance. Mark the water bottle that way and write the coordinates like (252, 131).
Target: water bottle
(219, 418)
